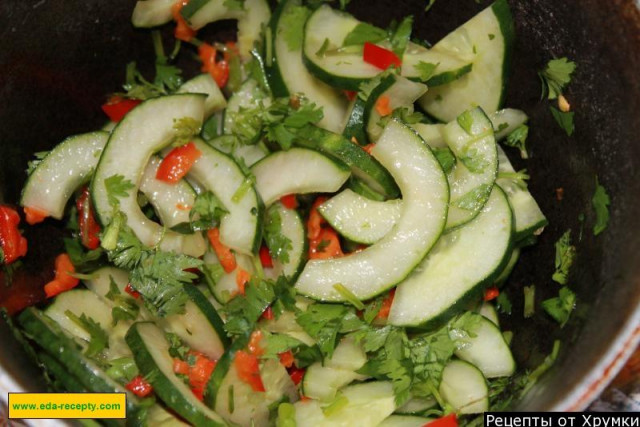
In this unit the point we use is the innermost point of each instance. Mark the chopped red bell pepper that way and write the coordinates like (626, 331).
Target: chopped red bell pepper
(34, 215)
(289, 201)
(350, 94)
(129, 289)
(450, 420)
(219, 70)
(226, 257)
(89, 227)
(382, 106)
(296, 374)
(254, 345)
(13, 244)
(248, 370)
(385, 308)
(117, 107)
(200, 373)
(181, 367)
(177, 163)
(267, 314)
(64, 279)
(286, 359)
(265, 257)
(380, 57)
(491, 293)
(183, 31)
(315, 221)
(139, 386)
(326, 245)
(368, 148)
(242, 278)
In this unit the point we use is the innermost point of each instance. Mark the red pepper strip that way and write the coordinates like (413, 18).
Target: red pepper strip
(181, 367)
(248, 370)
(183, 31)
(385, 308)
(129, 289)
(13, 244)
(447, 421)
(265, 257)
(226, 257)
(350, 94)
(63, 280)
(368, 148)
(315, 221)
(327, 245)
(219, 70)
(242, 278)
(296, 374)
(267, 314)
(139, 386)
(254, 345)
(491, 293)
(200, 373)
(380, 57)
(286, 359)
(117, 107)
(177, 163)
(34, 215)
(89, 228)
(289, 201)
(382, 106)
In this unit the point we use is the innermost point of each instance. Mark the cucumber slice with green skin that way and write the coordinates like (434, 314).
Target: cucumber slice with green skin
(151, 352)
(474, 173)
(171, 202)
(79, 302)
(367, 404)
(529, 219)
(248, 96)
(488, 311)
(288, 75)
(293, 229)
(205, 84)
(100, 281)
(241, 227)
(360, 219)
(488, 38)
(252, 17)
(226, 287)
(441, 285)
(70, 164)
(249, 154)
(504, 275)
(506, 121)
(251, 408)
(145, 130)
(405, 421)
(286, 324)
(200, 326)
(417, 406)
(487, 350)
(464, 388)
(152, 13)
(449, 67)
(63, 381)
(425, 198)
(363, 166)
(298, 171)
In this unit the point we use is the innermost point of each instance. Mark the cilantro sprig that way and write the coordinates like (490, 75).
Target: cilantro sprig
(600, 202)
(556, 76)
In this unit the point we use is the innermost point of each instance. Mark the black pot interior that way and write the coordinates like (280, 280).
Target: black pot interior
(59, 60)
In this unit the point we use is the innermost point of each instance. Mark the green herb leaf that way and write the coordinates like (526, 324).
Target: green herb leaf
(117, 187)
(503, 303)
(518, 139)
(243, 311)
(279, 245)
(292, 26)
(33, 164)
(475, 162)
(363, 33)
(555, 76)
(349, 296)
(600, 202)
(168, 77)
(425, 70)
(274, 344)
(185, 129)
(325, 45)
(98, 341)
(401, 36)
(560, 307)
(564, 120)
(429, 5)
(323, 322)
(122, 368)
(446, 158)
(474, 199)
(286, 415)
(206, 212)
(565, 256)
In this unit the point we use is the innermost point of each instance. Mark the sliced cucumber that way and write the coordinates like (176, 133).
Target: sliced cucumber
(293, 229)
(504, 274)
(474, 173)
(457, 269)
(288, 74)
(464, 388)
(79, 302)
(199, 326)
(249, 154)
(152, 13)
(529, 219)
(506, 121)
(286, 324)
(487, 350)
(100, 280)
(66, 167)
(449, 66)
(366, 404)
(432, 134)
(405, 421)
(151, 352)
(252, 16)
(417, 405)
(146, 129)
(297, 171)
(205, 84)
(238, 403)
(425, 196)
(363, 166)
(488, 39)
(488, 311)
(171, 202)
(240, 228)
(227, 285)
(360, 219)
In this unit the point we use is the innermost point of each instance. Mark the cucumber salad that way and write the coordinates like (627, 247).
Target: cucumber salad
(311, 232)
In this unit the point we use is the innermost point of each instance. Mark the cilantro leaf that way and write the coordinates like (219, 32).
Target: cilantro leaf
(206, 212)
(600, 202)
(244, 311)
(185, 128)
(364, 32)
(503, 303)
(83, 261)
(519, 178)
(33, 164)
(99, 340)
(168, 77)
(555, 76)
(279, 245)
(564, 120)
(323, 322)
(474, 199)
(560, 307)
(285, 297)
(401, 35)
(274, 344)
(565, 256)
(518, 139)
(293, 22)
(425, 70)
(473, 161)
(117, 187)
